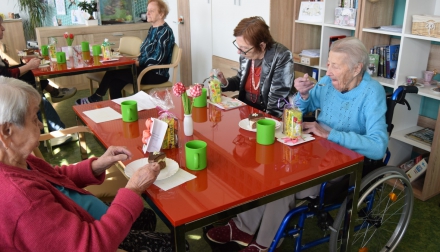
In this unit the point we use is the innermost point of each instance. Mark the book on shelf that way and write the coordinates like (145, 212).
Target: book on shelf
(423, 136)
(412, 162)
(392, 56)
(333, 39)
(417, 170)
(373, 64)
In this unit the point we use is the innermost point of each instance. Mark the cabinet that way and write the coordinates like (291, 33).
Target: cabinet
(13, 40)
(417, 53)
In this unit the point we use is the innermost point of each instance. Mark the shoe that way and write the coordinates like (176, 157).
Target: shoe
(254, 247)
(64, 93)
(229, 233)
(87, 100)
(59, 140)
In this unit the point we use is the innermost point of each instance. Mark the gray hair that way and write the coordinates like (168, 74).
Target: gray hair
(355, 51)
(15, 97)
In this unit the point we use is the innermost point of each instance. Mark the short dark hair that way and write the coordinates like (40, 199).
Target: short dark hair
(254, 30)
(163, 7)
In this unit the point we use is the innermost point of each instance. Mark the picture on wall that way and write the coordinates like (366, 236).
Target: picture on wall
(61, 7)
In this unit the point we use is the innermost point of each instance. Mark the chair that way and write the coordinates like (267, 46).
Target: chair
(384, 207)
(128, 46)
(114, 178)
(175, 60)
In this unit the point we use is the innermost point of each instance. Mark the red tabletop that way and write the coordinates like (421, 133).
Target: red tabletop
(239, 170)
(81, 62)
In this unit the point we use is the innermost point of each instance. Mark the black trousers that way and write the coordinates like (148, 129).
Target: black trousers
(117, 79)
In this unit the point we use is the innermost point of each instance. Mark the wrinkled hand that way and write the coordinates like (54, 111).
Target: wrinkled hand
(111, 156)
(33, 63)
(222, 78)
(143, 178)
(315, 128)
(303, 85)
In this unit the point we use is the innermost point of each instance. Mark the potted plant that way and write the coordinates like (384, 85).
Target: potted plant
(89, 7)
(36, 10)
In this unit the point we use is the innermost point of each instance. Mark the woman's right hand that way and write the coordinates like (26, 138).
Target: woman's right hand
(33, 63)
(303, 85)
(143, 178)
(222, 78)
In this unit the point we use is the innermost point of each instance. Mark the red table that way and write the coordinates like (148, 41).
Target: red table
(76, 65)
(240, 174)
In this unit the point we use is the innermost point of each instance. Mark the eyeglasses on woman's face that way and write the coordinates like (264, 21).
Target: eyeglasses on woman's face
(241, 50)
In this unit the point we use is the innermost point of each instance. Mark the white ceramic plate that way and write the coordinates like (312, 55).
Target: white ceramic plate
(282, 139)
(436, 90)
(171, 168)
(244, 124)
(417, 85)
(109, 60)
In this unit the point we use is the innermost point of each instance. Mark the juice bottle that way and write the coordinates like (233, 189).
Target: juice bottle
(106, 50)
(52, 48)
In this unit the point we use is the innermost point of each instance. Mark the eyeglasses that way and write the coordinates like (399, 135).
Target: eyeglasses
(241, 51)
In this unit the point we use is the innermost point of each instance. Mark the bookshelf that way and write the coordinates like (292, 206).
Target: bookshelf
(415, 55)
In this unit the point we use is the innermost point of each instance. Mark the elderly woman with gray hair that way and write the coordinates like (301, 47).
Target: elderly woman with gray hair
(44, 208)
(352, 114)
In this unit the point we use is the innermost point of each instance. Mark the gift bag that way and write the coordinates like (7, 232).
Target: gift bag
(171, 139)
(292, 121)
(215, 91)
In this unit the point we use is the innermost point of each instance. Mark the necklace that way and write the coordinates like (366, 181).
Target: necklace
(254, 100)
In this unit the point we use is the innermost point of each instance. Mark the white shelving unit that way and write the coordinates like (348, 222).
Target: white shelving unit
(414, 55)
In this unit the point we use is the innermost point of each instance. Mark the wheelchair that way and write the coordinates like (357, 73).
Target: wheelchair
(384, 207)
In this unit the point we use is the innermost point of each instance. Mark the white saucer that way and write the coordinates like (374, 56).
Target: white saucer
(171, 168)
(244, 124)
(416, 85)
(436, 90)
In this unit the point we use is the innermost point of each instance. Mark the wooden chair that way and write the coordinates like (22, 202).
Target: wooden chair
(128, 46)
(175, 60)
(114, 179)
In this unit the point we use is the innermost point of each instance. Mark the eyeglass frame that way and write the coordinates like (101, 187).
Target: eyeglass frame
(241, 51)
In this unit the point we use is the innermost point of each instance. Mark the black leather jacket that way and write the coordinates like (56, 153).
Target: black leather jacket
(276, 80)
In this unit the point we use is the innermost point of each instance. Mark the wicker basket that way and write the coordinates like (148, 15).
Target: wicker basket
(425, 25)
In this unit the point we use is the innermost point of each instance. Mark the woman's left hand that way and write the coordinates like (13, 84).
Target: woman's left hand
(315, 128)
(111, 156)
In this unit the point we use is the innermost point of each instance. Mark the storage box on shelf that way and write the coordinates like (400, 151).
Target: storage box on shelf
(426, 25)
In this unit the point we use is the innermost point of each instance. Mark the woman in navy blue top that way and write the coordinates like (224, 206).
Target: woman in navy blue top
(156, 49)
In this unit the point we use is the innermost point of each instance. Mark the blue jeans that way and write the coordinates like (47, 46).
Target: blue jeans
(53, 119)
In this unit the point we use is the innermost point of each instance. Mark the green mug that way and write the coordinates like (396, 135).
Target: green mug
(129, 111)
(200, 102)
(85, 46)
(44, 50)
(195, 155)
(96, 50)
(61, 57)
(265, 131)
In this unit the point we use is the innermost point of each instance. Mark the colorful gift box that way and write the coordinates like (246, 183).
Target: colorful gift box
(171, 139)
(215, 92)
(292, 122)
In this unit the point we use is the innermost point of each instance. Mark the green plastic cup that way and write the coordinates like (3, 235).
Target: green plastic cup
(85, 46)
(96, 50)
(129, 111)
(265, 131)
(61, 57)
(195, 155)
(200, 101)
(44, 50)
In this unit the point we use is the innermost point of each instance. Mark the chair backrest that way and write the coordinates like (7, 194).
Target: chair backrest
(130, 45)
(175, 61)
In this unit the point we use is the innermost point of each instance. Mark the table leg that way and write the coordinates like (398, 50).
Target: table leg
(134, 73)
(82, 141)
(179, 239)
(43, 114)
(355, 179)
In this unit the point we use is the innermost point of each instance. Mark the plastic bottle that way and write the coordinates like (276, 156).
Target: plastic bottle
(106, 50)
(52, 48)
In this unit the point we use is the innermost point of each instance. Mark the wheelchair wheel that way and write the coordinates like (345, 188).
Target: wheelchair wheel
(384, 211)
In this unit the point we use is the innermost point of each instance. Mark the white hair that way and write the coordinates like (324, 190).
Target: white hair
(15, 97)
(355, 51)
